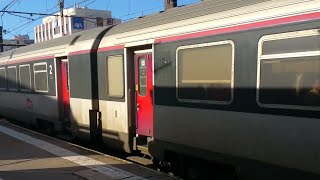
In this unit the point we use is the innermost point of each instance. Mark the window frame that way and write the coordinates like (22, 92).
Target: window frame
(217, 43)
(10, 89)
(260, 57)
(30, 85)
(34, 76)
(5, 78)
(107, 78)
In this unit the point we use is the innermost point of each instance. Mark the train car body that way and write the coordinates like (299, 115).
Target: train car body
(31, 82)
(36, 81)
(215, 96)
(217, 81)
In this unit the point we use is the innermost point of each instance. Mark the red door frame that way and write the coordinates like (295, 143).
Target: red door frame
(144, 94)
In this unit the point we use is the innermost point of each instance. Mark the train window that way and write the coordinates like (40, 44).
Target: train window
(115, 76)
(25, 77)
(289, 70)
(205, 72)
(3, 78)
(68, 78)
(12, 78)
(142, 77)
(298, 44)
(40, 77)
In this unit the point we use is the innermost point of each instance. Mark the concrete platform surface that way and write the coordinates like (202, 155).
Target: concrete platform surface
(25, 154)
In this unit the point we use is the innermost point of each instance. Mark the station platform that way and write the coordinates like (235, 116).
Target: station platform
(25, 154)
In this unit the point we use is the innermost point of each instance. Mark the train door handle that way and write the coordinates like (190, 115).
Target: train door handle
(138, 106)
(115, 113)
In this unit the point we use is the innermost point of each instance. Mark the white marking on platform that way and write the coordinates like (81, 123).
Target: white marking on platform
(95, 165)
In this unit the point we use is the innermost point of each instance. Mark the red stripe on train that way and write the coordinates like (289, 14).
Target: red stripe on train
(285, 20)
(111, 48)
(88, 51)
(27, 60)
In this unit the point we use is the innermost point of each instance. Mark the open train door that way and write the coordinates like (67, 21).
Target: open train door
(65, 91)
(144, 92)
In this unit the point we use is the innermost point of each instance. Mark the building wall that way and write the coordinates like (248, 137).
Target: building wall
(17, 40)
(52, 27)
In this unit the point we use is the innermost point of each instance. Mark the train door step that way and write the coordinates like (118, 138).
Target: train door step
(140, 160)
(143, 149)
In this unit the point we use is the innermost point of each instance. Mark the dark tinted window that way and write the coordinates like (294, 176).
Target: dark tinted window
(2, 78)
(298, 44)
(25, 78)
(291, 81)
(40, 77)
(205, 73)
(12, 78)
(40, 67)
(115, 76)
(142, 77)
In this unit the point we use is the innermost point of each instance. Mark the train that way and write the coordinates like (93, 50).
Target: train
(231, 83)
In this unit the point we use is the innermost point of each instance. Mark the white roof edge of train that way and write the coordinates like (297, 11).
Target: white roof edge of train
(243, 15)
(55, 51)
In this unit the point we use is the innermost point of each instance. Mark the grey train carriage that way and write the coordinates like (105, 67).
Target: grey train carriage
(218, 81)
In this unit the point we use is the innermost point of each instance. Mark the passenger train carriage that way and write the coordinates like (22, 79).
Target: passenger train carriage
(221, 81)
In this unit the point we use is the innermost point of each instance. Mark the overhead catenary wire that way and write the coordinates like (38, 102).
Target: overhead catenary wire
(30, 20)
(1, 33)
(28, 23)
(136, 14)
(5, 8)
(21, 16)
(41, 16)
(108, 4)
(90, 3)
(143, 12)
(57, 15)
(46, 14)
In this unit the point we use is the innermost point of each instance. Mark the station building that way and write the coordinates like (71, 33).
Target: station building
(75, 19)
(17, 41)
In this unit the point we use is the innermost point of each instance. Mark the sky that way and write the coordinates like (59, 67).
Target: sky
(122, 9)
